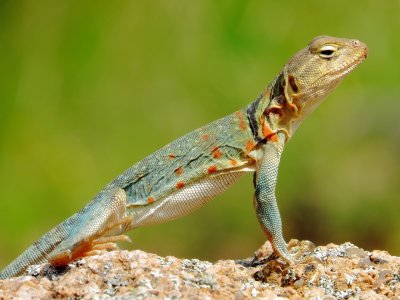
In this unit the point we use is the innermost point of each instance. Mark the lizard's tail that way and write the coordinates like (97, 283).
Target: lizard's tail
(38, 252)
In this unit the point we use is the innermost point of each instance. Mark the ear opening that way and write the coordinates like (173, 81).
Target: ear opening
(292, 83)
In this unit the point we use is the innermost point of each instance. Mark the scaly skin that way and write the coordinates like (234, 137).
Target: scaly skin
(190, 171)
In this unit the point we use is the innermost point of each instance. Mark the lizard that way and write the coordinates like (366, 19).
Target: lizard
(190, 171)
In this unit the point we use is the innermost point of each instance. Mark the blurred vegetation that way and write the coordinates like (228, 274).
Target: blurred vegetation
(89, 88)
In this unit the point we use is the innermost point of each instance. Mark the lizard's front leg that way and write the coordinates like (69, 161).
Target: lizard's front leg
(264, 197)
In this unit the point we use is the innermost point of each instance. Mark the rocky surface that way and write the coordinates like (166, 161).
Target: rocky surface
(333, 272)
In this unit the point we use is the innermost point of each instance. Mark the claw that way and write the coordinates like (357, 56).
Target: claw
(104, 246)
(116, 238)
(93, 252)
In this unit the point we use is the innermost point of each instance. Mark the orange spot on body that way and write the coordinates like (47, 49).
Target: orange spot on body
(205, 137)
(242, 123)
(150, 200)
(267, 131)
(249, 145)
(171, 156)
(216, 152)
(180, 184)
(269, 134)
(273, 137)
(233, 162)
(179, 171)
(212, 169)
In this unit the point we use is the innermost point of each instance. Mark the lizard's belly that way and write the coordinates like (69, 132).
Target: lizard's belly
(186, 200)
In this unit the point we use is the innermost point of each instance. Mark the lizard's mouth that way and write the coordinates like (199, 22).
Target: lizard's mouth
(350, 64)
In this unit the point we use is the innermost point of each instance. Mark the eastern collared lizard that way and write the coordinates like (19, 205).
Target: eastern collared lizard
(187, 173)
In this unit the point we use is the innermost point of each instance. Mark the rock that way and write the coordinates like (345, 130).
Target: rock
(333, 272)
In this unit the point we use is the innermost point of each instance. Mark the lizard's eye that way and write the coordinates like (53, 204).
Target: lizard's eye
(327, 51)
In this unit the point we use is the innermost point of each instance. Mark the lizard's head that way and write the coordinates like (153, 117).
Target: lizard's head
(312, 73)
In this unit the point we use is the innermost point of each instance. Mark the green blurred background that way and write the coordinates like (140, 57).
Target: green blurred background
(89, 88)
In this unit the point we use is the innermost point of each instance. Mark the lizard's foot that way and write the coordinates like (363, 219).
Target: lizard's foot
(96, 227)
(88, 248)
(95, 248)
(302, 251)
(299, 253)
(107, 243)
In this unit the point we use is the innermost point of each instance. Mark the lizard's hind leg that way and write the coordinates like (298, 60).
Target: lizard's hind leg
(96, 227)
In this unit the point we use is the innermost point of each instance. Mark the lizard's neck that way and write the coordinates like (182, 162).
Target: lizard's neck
(255, 114)
(277, 109)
